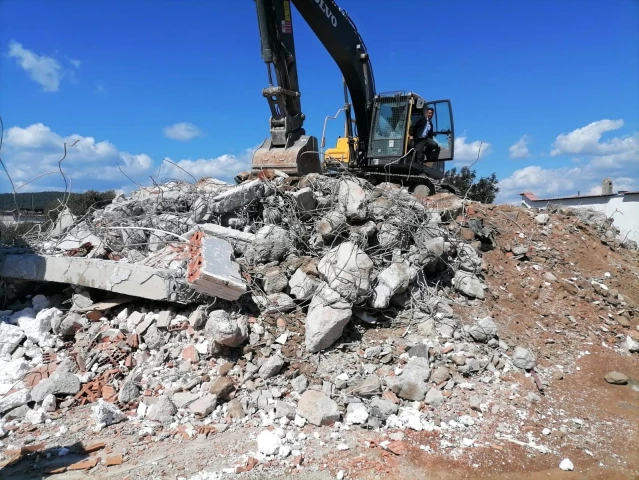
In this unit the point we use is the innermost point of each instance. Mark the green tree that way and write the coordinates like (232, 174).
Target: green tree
(485, 190)
(81, 203)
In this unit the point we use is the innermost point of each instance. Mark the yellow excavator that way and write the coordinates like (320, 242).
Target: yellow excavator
(376, 143)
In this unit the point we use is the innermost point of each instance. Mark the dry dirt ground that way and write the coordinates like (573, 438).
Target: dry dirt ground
(576, 336)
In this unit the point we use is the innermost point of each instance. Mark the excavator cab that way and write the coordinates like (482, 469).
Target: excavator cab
(388, 146)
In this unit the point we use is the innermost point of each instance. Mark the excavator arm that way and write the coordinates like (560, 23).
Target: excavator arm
(288, 148)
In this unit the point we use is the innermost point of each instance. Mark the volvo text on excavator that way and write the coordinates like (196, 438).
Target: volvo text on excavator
(376, 143)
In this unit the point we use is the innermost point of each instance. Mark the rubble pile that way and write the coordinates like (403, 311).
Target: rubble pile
(328, 302)
(609, 233)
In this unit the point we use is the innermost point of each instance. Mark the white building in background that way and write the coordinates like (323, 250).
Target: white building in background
(11, 218)
(622, 206)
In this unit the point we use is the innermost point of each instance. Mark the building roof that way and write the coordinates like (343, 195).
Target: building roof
(532, 197)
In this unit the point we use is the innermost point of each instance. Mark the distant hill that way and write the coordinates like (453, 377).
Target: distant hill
(78, 203)
(29, 201)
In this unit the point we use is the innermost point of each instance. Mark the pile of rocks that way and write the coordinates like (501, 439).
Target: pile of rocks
(320, 258)
(337, 248)
(324, 262)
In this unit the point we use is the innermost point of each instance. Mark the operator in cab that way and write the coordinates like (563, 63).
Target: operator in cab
(421, 134)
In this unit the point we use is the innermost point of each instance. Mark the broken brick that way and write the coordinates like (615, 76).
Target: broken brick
(113, 460)
(84, 465)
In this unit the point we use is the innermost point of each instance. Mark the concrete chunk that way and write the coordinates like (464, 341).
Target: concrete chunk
(237, 197)
(392, 280)
(130, 279)
(239, 239)
(327, 316)
(226, 330)
(212, 270)
(347, 270)
(352, 200)
(318, 408)
(11, 336)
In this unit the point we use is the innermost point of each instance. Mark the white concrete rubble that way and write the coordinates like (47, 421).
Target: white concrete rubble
(218, 275)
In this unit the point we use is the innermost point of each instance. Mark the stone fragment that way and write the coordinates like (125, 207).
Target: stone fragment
(271, 243)
(304, 199)
(523, 358)
(11, 336)
(60, 383)
(468, 259)
(352, 200)
(391, 281)
(331, 225)
(49, 404)
(356, 413)
(202, 406)
(226, 330)
(469, 285)
(14, 400)
(327, 316)
(369, 387)
(271, 367)
(616, 378)
(633, 345)
(105, 414)
(222, 387)
(382, 409)
(483, 330)
(268, 442)
(347, 270)
(317, 408)
(303, 285)
(129, 392)
(299, 383)
(162, 411)
(274, 281)
(439, 375)
(153, 338)
(410, 384)
(434, 397)
(542, 218)
(235, 409)
(428, 252)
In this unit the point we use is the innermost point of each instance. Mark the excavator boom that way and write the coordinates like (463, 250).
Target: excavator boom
(382, 146)
(289, 148)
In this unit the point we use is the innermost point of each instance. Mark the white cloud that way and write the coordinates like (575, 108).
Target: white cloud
(586, 141)
(74, 62)
(466, 153)
(42, 69)
(224, 167)
(616, 158)
(36, 150)
(183, 131)
(520, 148)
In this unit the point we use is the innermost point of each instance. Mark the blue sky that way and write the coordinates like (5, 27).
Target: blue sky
(554, 84)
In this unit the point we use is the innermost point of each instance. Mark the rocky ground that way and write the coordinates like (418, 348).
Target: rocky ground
(383, 335)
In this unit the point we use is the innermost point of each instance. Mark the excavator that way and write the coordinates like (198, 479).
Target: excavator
(376, 144)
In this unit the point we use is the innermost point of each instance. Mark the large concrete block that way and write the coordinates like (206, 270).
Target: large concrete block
(212, 270)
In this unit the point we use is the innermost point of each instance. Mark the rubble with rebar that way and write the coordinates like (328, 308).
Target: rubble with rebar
(271, 285)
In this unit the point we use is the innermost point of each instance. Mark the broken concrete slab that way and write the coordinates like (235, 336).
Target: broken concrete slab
(237, 238)
(211, 269)
(327, 316)
(119, 277)
(237, 197)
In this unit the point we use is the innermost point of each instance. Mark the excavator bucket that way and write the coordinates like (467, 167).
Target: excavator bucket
(299, 159)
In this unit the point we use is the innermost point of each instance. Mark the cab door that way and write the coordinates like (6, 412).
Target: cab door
(443, 128)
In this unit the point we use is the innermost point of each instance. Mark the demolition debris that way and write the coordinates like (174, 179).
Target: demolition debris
(186, 310)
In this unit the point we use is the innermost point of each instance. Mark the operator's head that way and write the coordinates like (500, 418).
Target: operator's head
(429, 113)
